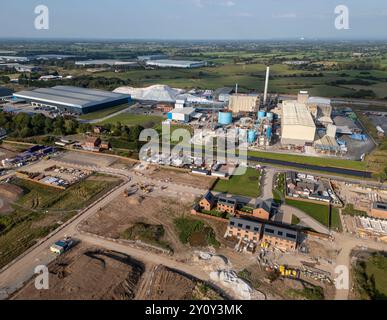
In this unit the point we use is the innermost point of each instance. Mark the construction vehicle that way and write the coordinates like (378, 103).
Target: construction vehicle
(289, 272)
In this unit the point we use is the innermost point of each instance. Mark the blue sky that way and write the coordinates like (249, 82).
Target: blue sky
(194, 19)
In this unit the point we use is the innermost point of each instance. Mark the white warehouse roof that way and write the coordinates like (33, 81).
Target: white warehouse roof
(296, 114)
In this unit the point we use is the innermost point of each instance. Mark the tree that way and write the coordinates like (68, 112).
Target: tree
(70, 126)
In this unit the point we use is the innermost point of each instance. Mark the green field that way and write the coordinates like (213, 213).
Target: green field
(244, 185)
(130, 119)
(325, 162)
(103, 113)
(370, 278)
(318, 212)
(41, 210)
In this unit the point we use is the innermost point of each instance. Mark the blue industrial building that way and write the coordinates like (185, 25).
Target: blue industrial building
(73, 99)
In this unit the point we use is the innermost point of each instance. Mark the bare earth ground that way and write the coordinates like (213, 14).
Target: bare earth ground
(7, 151)
(89, 273)
(93, 273)
(85, 159)
(124, 212)
(9, 193)
(179, 177)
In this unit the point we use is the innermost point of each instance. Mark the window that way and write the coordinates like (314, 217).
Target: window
(291, 236)
(256, 229)
(280, 233)
(232, 223)
(240, 225)
(269, 230)
(248, 227)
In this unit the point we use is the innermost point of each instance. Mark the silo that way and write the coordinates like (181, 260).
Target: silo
(261, 115)
(269, 133)
(225, 118)
(252, 136)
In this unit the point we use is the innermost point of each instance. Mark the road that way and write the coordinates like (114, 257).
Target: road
(22, 269)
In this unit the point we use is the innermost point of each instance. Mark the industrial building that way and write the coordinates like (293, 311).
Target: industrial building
(109, 62)
(182, 112)
(13, 59)
(152, 57)
(176, 64)
(72, 99)
(244, 103)
(5, 93)
(298, 127)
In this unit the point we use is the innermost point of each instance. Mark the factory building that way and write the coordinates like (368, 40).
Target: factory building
(72, 99)
(298, 127)
(152, 57)
(182, 112)
(176, 64)
(108, 62)
(244, 103)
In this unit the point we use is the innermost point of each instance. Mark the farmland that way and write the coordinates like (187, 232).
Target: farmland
(40, 209)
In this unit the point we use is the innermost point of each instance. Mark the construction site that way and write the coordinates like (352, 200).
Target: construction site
(88, 273)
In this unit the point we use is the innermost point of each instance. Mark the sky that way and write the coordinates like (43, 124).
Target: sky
(194, 19)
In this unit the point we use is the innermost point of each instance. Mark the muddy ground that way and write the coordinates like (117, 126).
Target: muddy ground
(9, 194)
(89, 273)
(97, 274)
(178, 177)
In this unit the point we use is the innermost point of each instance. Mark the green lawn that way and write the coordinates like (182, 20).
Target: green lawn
(376, 268)
(135, 119)
(103, 113)
(246, 185)
(370, 277)
(325, 162)
(318, 212)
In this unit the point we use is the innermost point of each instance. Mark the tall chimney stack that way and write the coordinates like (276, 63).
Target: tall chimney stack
(236, 88)
(266, 85)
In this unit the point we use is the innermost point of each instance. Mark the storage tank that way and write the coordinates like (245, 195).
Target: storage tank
(269, 132)
(261, 115)
(270, 116)
(225, 118)
(252, 136)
